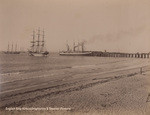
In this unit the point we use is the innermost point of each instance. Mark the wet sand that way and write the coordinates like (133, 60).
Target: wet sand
(120, 89)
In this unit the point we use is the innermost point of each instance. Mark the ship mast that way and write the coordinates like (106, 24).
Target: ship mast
(82, 46)
(73, 46)
(78, 46)
(12, 48)
(68, 49)
(38, 41)
(16, 48)
(33, 42)
(42, 46)
(8, 48)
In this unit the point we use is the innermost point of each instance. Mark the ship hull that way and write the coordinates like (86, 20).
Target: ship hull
(75, 53)
(12, 52)
(38, 54)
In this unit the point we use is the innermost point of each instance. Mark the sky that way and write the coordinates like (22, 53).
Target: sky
(111, 25)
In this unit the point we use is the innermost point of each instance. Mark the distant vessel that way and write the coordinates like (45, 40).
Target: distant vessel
(38, 47)
(12, 51)
(78, 50)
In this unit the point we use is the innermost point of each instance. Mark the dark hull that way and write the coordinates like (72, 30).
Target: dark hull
(38, 54)
(12, 52)
(75, 53)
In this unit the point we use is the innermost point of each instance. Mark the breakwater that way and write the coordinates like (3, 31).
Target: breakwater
(118, 54)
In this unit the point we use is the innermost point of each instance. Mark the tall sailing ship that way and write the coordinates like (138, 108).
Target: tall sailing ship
(12, 50)
(38, 47)
(77, 50)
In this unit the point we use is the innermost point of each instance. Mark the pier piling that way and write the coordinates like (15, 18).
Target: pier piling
(118, 54)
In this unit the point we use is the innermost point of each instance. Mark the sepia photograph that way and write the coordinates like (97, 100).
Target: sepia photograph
(74, 57)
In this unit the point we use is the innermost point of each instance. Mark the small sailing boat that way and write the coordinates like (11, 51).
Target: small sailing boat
(38, 47)
(78, 50)
(12, 51)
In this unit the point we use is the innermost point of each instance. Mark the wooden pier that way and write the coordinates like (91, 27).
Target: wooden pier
(118, 54)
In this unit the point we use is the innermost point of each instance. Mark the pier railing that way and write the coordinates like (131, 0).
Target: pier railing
(116, 54)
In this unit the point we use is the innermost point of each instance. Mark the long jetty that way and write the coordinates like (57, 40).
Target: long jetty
(118, 54)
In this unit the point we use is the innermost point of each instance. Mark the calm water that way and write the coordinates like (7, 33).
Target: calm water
(10, 63)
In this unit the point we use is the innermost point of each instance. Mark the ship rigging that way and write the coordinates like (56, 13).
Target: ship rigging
(37, 46)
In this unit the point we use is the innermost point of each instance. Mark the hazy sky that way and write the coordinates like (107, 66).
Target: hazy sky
(112, 25)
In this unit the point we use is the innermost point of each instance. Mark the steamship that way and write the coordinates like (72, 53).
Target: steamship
(78, 50)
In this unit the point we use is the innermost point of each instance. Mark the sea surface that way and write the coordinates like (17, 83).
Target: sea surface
(23, 63)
